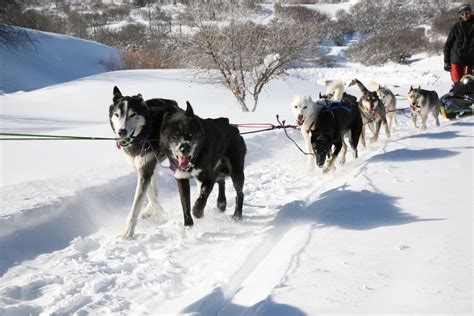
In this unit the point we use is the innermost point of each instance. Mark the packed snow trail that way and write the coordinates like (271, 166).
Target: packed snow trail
(74, 262)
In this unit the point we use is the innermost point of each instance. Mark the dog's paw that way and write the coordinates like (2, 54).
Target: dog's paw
(147, 214)
(127, 236)
(237, 216)
(152, 211)
(373, 139)
(222, 205)
(198, 212)
(188, 221)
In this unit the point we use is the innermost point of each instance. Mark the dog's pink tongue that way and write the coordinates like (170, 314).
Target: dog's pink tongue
(183, 162)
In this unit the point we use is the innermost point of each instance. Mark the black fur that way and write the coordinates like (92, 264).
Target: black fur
(346, 97)
(219, 152)
(333, 122)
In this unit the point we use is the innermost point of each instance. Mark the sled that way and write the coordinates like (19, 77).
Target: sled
(454, 106)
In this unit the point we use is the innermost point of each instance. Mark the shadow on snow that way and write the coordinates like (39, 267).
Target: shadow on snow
(215, 303)
(405, 154)
(339, 207)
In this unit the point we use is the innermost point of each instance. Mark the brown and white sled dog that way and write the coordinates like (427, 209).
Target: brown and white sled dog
(389, 102)
(372, 112)
(305, 112)
(421, 103)
(137, 123)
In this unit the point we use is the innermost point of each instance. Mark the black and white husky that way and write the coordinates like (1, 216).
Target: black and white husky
(335, 121)
(138, 123)
(208, 150)
(421, 103)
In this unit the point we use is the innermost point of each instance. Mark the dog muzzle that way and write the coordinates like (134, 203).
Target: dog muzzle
(300, 120)
(184, 162)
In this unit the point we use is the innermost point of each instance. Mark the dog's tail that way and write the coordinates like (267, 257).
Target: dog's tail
(374, 86)
(334, 88)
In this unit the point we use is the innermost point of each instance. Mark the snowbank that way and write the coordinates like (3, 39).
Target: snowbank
(51, 59)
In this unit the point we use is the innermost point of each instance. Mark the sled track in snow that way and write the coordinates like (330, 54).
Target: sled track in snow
(91, 256)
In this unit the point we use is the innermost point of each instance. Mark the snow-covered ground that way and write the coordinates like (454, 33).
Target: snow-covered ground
(390, 232)
(50, 59)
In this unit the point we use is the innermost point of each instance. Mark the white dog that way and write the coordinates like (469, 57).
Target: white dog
(305, 112)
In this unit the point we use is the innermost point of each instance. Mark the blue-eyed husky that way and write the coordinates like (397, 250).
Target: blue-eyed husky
(138, 123)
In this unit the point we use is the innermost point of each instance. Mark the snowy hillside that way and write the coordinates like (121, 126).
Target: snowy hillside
(388, 232)
(51, 59)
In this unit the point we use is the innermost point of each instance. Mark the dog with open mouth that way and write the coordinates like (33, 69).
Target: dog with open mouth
(335, 121)
(372, 112)
(208, 150)
(305, 111)
(137, 125)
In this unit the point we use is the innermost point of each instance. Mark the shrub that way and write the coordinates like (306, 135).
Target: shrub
(300, 14)
(384, 47)
(443, 22)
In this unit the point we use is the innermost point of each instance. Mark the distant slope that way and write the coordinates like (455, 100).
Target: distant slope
(53, 59)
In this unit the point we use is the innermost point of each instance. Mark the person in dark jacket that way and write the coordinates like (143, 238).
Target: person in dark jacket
(459, 47)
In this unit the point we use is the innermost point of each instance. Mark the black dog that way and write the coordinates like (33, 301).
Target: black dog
(334, 121)
(209, 150)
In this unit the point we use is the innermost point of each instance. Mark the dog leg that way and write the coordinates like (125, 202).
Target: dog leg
(142, 185)
(435, 111)
(362, 136)
(424, 118)
(238, 182)
(206, 189)
(221, 199)
(153, 207)
(413, 119)
(330, 163)
(311, 163)
(344, 151)
(354, 141)
(375, 137)
(387, 129)
(185, 196)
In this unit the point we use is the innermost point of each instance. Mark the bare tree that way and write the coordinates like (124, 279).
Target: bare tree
(247, 56)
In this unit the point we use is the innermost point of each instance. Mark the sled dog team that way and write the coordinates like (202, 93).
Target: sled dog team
(212, 149)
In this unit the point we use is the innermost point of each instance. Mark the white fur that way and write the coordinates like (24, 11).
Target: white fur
(128, 120)
(182, 174)
(335, 88)
(389, 102)
(151, 192)
(415, 98)
(304, 106)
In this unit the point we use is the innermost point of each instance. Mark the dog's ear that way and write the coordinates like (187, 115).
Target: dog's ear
(419, 87)
(189, 109)
(411, 88)
(320, 96)
(117, 94)
(140, 96)
(164, 120)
